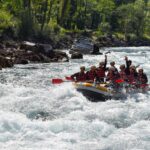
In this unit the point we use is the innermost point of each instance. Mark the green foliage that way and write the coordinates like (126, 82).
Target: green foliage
(6, 20)
(54, 27)
(26, 24)
(147, 19)
(124, 13)
(131, 18)
(139, 18)
(8, 24)
(105, 7)
(104, 28)
(120, 2)
(51, 17)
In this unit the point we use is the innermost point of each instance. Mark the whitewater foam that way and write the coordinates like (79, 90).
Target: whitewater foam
(35, 114)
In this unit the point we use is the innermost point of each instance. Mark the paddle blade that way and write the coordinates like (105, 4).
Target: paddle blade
(119, 81)
(69, 78)
(57, 81)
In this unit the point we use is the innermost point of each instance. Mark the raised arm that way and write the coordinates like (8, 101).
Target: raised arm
(128, 62)
(105, 61)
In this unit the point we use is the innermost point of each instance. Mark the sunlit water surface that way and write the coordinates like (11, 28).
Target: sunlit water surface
(35, 114)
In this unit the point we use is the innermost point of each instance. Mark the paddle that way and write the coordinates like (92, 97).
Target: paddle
(119, 81)
(59, 81)
(69, 78)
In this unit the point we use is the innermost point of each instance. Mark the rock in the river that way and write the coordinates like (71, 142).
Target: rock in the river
(44, 49)
(5, 62)
(37, 47)
(26, 52)
(76, 55)
(83, 45)
(27, 45)
(11, 44)
(96, 50)
(60, 56)
(2, 46)
(22, 61)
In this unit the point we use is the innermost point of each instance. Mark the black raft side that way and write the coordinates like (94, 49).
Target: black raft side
(94, 96)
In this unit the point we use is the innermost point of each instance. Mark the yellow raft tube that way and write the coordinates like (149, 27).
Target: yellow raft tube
(95, 92)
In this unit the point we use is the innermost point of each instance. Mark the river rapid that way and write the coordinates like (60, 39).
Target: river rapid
(35, 114)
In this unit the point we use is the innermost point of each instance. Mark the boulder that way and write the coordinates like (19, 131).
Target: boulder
(22, 61)
(44, 49)
(37, 48)
(110, 41)
(2, 46)
(83, 45)
(5, 62)
(76, 55)
(61, 56)
(71, 52)
(44, 58)
(96, 50)
(27, 45)
(11, 44)
(29, 52)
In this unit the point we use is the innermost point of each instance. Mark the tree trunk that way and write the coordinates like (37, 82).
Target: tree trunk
(50, 10)
(44, 15)
(85, 12)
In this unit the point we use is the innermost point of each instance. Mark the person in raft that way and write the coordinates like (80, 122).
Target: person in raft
(128, 64)
(132, 76)
(122, 72)
(79, 76)
(112, 64)
(142, 77)
(92, 74)
(112, 76)
(101, 70)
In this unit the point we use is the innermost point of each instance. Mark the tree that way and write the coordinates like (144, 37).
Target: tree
(125, 13)
(121, 2)
(138, 18)
(105, 9)
(147, 18)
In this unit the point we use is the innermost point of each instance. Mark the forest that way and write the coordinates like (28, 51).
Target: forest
(24, 19)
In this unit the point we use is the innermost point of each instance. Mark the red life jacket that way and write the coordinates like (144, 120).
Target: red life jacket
(79, 76)
(123, 75)
(101, 72)
(142, 78)
(111, 77)
(91, 75)
(131, 78)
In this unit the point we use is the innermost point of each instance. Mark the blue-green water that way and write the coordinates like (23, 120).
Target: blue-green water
(35, 114)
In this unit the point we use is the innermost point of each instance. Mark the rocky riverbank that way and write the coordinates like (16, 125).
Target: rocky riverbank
(13, 52)
(21, 52)
(113, 41)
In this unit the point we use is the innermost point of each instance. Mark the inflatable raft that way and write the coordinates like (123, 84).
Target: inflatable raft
(98, 92)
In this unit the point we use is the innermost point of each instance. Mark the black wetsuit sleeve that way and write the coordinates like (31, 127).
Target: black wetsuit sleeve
(105, 64)
(127, 70)
(145, 77)
(87, 75)
(107, 68)
(127, 64)
(135, 74)
(74, 76)
(116, 70)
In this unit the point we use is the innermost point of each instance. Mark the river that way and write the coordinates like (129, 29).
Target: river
(35, 114)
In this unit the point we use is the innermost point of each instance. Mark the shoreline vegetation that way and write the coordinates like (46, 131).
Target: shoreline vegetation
(52, 25)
